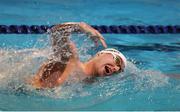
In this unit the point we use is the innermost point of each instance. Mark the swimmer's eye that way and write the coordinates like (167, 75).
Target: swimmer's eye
(118, 63)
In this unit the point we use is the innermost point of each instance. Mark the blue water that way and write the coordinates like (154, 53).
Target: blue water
(143, 86)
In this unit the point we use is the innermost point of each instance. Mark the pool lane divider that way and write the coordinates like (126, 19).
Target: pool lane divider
(111, 29)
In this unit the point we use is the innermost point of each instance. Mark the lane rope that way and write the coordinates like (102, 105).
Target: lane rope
(111, 29)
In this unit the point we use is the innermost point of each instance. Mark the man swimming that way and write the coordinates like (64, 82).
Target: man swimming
(65, 58)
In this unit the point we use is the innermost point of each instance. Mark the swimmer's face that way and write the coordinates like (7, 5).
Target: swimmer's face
(106, 65)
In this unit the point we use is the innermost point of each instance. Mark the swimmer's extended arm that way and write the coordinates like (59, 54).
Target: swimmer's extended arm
(61, 43)
(66, 29)
(56, 70)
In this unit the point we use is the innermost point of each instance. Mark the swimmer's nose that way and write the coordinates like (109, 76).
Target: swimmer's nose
(115, 69)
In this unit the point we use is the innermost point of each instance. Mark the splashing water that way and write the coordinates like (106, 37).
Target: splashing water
(19, 65)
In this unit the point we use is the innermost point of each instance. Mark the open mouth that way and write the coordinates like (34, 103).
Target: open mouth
(107, 69)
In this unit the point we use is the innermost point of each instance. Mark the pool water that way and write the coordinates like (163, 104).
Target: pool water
(145, 85)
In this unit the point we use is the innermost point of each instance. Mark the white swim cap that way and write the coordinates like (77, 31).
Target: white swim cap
(115, 53)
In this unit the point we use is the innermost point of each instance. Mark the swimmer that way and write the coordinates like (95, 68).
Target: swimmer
(57, 69)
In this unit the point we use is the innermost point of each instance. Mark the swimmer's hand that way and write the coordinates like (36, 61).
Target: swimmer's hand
(93, 33)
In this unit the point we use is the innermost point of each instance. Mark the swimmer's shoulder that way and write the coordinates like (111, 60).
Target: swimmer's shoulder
(48, 74)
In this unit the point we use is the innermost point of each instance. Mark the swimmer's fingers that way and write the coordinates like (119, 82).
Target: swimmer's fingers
(103, 42)
(96, 39)
(101, 38)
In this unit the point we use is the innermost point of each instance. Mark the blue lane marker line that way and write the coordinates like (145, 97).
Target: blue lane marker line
(111, 29)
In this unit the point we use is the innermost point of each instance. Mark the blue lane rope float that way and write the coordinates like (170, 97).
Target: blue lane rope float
(116, 29)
